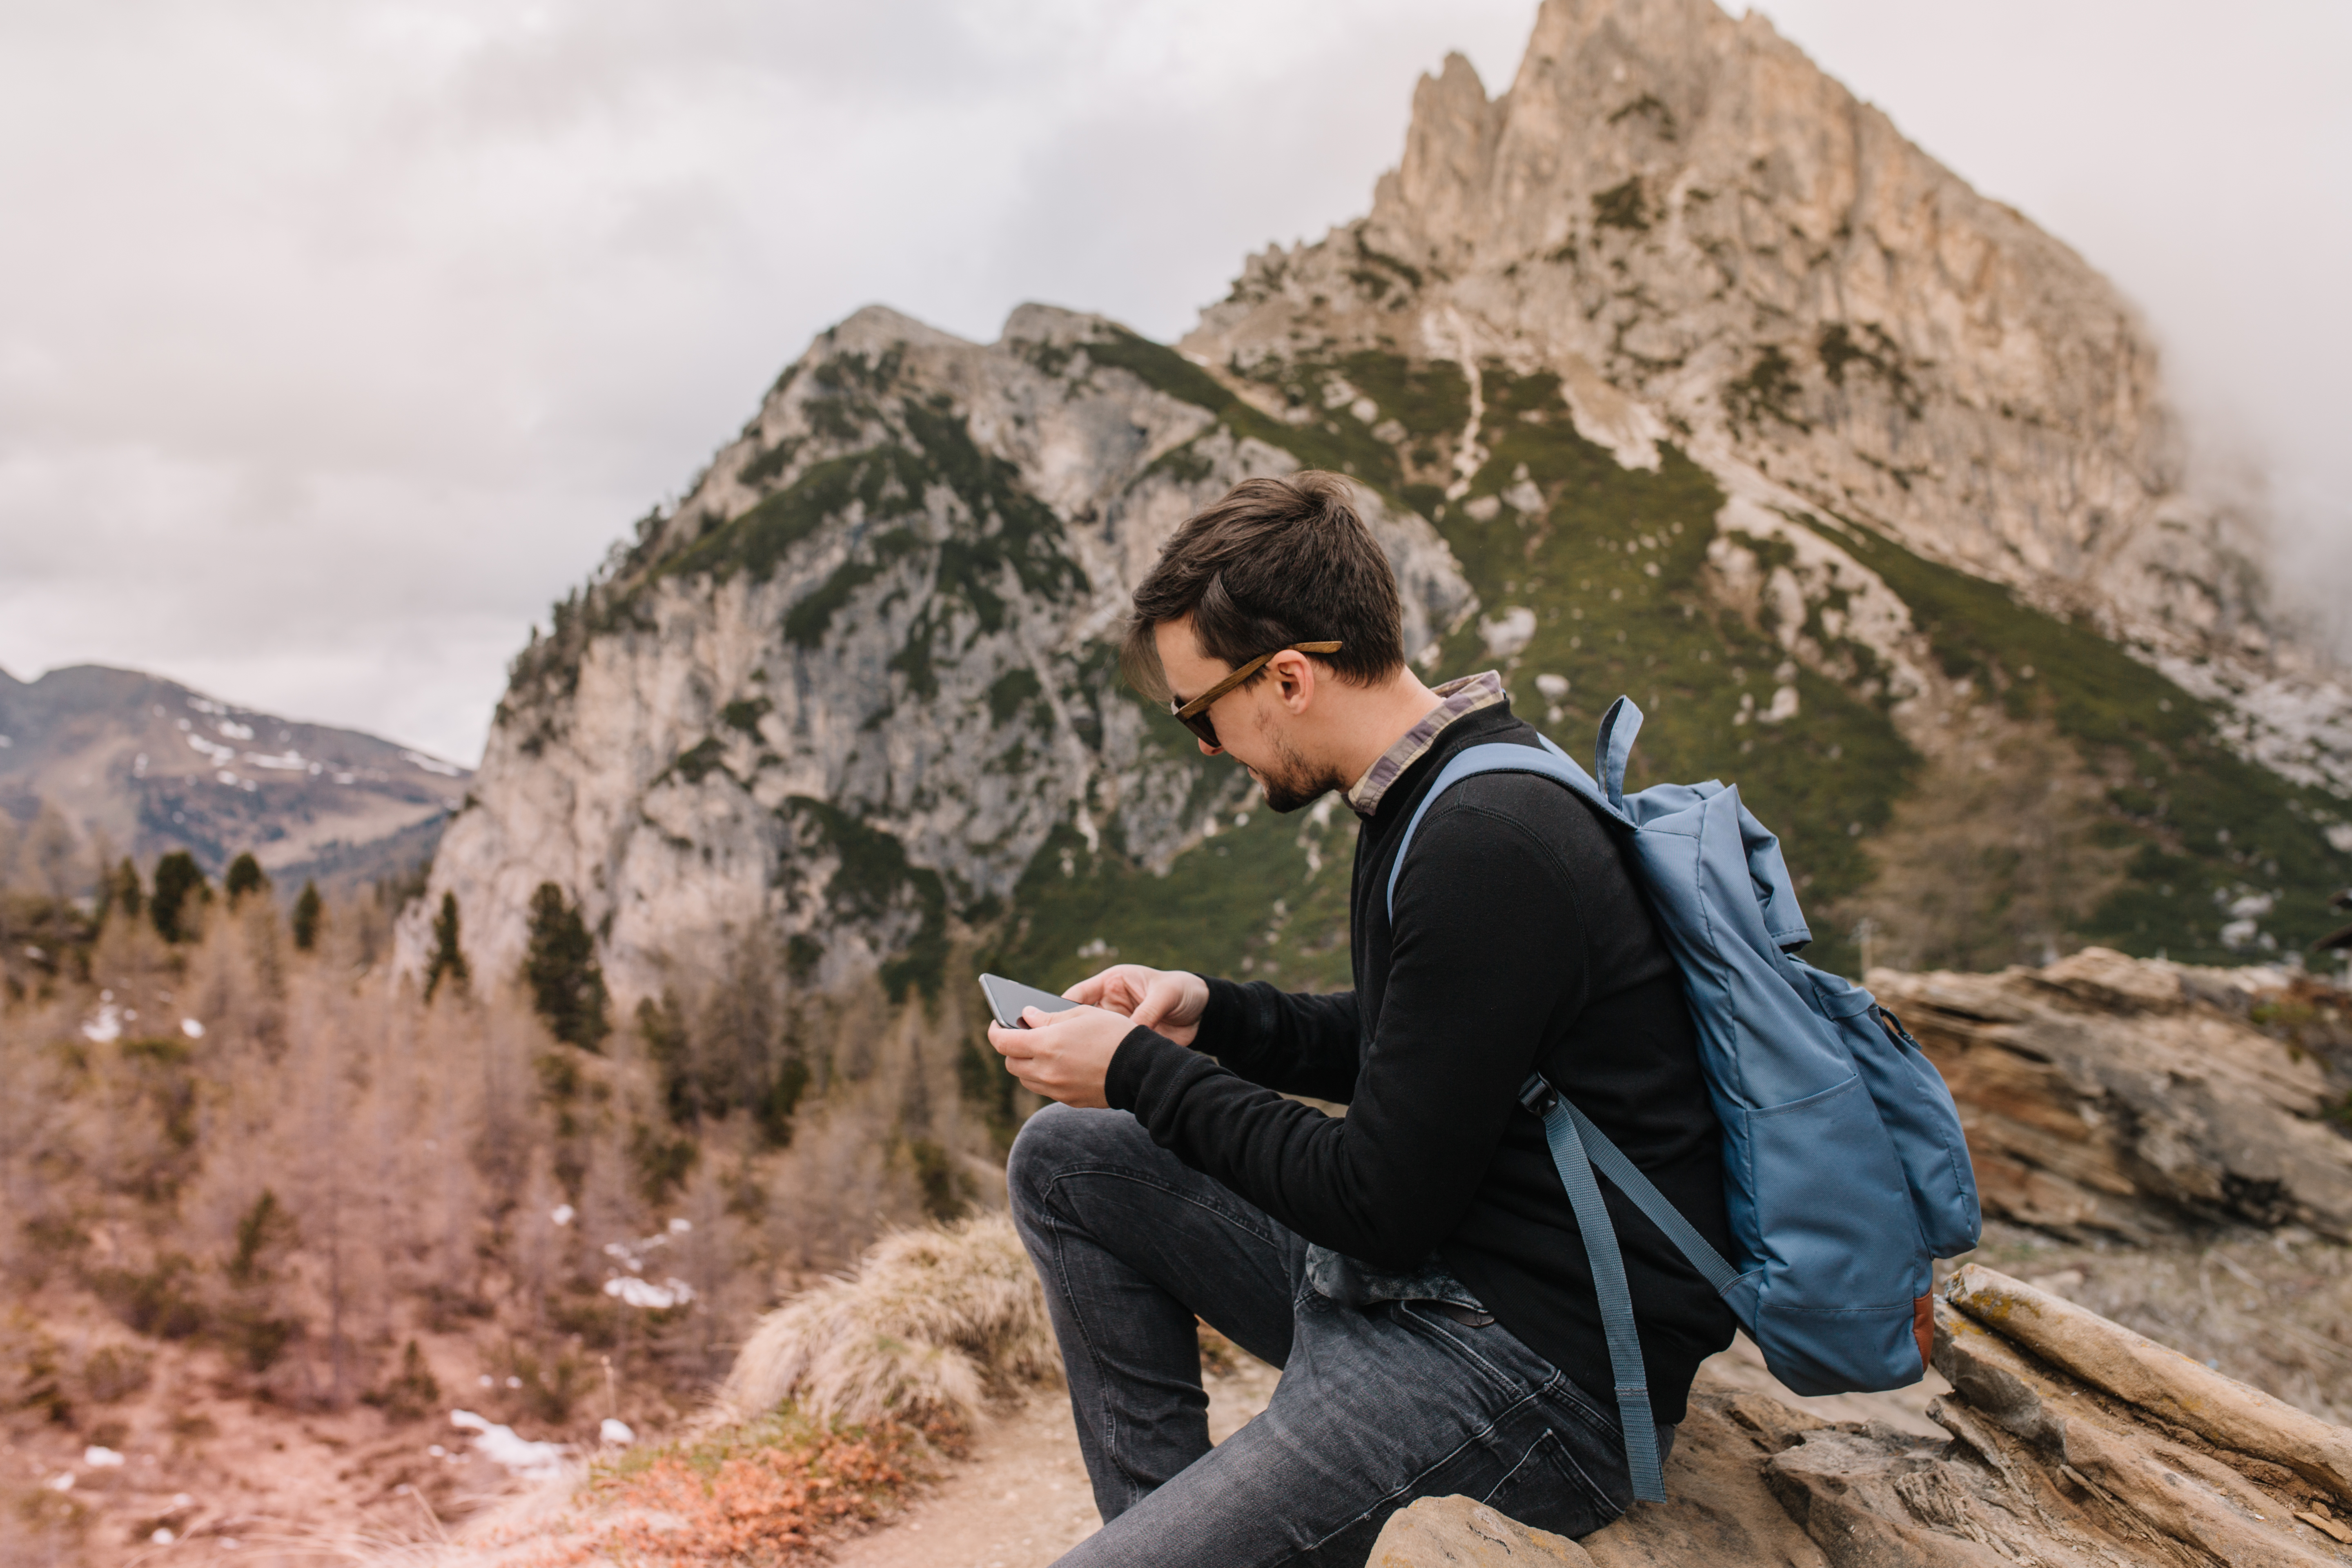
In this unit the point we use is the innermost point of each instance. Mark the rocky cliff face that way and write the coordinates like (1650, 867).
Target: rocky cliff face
(1710, 240)
(1673, 371)
(850, 686)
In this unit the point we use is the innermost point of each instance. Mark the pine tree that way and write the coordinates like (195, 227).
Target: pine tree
(448, 958)
(244, 876)
(306, 911)
(567, 988)
(122, 891)
(177, 879)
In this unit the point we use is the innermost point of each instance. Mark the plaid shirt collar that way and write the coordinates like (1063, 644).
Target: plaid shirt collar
(1458, 698)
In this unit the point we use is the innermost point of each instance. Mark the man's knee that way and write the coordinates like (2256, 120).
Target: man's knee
(1059, 1139)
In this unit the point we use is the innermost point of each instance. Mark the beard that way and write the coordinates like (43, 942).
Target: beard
(1293, 782)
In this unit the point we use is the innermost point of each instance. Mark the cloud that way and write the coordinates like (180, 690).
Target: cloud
(341, 340)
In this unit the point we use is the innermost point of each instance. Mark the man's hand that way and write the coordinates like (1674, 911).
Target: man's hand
(1062, 1056)
(1065, 1056)
(1168, 1000)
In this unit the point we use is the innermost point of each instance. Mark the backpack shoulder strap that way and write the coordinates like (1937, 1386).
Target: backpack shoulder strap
(1577, 1147)
(1500, 757)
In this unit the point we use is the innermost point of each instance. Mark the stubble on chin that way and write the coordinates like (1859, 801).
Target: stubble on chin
(1293, 782)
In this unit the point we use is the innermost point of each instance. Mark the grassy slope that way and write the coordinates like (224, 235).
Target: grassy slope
(2204, 828)
(1610, 563)
(1610, 567)
(1605, 622)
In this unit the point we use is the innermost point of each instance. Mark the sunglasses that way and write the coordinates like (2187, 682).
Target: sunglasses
(1194, 715)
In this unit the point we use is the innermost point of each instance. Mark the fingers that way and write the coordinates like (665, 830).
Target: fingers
(1113, 988)
(1159, 998)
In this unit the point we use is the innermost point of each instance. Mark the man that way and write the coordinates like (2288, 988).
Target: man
(1414, 1266)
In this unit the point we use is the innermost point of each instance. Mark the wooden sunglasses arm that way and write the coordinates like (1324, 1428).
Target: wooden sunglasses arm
(1245, 672)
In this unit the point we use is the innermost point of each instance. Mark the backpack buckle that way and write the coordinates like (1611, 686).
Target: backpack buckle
(1538, 1096)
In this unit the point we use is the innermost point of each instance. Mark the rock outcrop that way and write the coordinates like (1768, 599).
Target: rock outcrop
(2072, 1441)
(2110, 1097)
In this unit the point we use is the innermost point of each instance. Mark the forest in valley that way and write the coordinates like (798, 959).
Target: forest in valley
(262, 1197)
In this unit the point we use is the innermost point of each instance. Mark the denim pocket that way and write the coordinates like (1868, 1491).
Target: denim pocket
(1550, 1490)
(1491, 1351)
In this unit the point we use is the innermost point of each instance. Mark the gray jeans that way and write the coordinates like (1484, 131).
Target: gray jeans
(1378, 1404)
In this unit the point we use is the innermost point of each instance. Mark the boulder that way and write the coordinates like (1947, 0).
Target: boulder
(2131, 1098)
(1462, 1533)
(2070, 1441)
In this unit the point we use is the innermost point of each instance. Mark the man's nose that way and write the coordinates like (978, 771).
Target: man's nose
(1209, 751)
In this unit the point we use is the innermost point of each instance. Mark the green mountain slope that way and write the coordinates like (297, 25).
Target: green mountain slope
(1613, 564)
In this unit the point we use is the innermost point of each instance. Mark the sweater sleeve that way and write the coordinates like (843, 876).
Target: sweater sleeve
(1488, 955)
(1297, 1043)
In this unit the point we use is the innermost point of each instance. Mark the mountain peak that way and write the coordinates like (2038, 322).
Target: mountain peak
(1681, 216)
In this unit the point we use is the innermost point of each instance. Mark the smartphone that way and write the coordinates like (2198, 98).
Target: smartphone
(1006, 998)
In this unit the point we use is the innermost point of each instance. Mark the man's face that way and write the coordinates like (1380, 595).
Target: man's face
(1255, 724)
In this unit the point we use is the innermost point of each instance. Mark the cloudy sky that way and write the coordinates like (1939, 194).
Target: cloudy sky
(336, 341)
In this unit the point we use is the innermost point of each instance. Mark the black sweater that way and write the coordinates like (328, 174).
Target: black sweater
(1520, 942)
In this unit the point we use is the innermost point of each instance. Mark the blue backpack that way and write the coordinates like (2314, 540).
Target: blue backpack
(1845, 1173)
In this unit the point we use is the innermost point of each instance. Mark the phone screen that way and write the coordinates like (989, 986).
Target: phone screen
(1006, 998)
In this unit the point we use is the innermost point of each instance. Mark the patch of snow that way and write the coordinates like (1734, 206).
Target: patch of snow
(106, 1027)
(213, 750)
(235, 731)
(2339, 835)
(227, 777)
(1524, 497)
(563, 1213)
(1484, 509)
(680, 1226)
(2300, 729)
(2248, 905)
(191, 1029)
(633, 1292)
(5, 742)
(99, 1458)
(1553, 687)
(2238, 934)
(289, 763)
(1508, 633)
(1784, 706)
(617, 1433)
(162, 1536)
(521, 1457)
(60, 1483)
(433, 764)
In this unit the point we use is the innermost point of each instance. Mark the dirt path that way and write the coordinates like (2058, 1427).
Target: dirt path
(1021, 1499)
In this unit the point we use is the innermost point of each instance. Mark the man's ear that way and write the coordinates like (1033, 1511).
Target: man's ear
(1293, 675)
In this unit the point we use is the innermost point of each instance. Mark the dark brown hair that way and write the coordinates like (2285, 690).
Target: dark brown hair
(1276, 561)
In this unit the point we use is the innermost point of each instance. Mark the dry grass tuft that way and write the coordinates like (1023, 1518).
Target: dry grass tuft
(929, 1325)
(771, 1491)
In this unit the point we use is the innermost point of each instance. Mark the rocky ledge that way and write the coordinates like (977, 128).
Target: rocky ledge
(2072, 1440)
